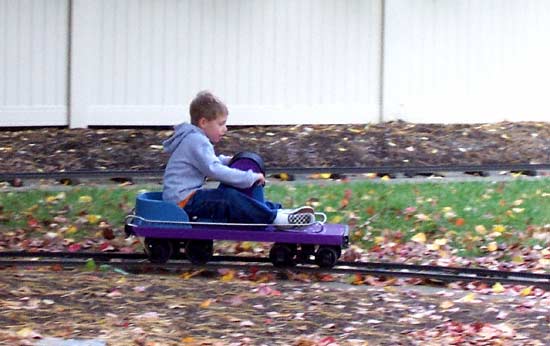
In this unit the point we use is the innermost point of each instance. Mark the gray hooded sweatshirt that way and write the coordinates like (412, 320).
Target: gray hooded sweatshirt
(192, 160)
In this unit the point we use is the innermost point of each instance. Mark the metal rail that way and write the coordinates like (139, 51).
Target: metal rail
(139, 262)
(390, 169)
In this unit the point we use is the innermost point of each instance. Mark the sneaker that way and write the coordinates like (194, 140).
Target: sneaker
(306, 209)
(299, 216)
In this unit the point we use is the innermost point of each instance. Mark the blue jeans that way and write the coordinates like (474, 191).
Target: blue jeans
(227, 204)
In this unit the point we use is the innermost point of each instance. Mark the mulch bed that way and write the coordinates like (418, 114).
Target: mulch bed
(228, 308)
(392, 143)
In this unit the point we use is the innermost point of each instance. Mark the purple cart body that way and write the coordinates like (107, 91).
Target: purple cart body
(316, 234)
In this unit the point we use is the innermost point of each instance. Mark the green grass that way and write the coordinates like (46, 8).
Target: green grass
(78, 211)
(468, 214)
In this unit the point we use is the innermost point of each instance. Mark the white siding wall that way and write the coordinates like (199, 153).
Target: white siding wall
(272, 61)
(33, 62)
(466, 61)
(140, 62)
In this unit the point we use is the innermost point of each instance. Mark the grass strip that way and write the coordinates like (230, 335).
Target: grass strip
(467, 215)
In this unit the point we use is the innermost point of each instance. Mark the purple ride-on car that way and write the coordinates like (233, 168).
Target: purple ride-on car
(166, 230)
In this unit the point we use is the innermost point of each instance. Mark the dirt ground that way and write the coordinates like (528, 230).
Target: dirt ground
(254, 308)
(392, 143)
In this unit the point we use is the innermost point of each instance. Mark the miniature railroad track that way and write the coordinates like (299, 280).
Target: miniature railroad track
(408, 170)
(139, 262)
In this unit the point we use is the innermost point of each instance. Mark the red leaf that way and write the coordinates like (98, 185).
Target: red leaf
(106, 246)
(327, 340)
(33, 223)
(74, 247)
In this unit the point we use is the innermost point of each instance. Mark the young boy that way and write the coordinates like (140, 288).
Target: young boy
(193, 159)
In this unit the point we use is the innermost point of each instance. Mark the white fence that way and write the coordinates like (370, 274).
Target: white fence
(139, 62)
(33, 62)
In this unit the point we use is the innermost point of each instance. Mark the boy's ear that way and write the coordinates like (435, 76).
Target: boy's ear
(202, 122)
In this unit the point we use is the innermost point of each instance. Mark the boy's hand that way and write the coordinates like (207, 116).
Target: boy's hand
(261, 179)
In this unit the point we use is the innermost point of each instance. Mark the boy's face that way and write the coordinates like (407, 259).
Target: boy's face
(214, 129)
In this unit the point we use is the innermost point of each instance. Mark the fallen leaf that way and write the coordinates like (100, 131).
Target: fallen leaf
(205, 304)
(526, 291)
(498, 288)
(419, 237)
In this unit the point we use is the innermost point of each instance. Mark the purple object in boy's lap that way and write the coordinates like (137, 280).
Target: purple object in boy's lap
(248, 161)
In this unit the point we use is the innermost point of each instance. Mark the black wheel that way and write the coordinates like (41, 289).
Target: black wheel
(326, 257)
(283, 255)
(177, 245)
(305, 253)
(199, 251)
(158, 250)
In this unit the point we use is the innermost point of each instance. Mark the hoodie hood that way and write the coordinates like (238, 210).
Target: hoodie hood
(180, 132)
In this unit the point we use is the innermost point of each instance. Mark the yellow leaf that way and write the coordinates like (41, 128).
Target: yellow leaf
(72, 229)
(27, 332)
(419, 238)
(228, 277)
(526, 291)
(469, 298)
(379, 240)
(433, 247)
(440, 241)
(385, 178)
(336, 219)
(24, 331)
(188, 275)
(446, 304)
(85, 199)
(481, 229)
(206, 303)
(498, 288)
(244, 246)
(188, 340)
(93, 219)
(492, 246)
(50, 199)
(499, 228)
(518, 259)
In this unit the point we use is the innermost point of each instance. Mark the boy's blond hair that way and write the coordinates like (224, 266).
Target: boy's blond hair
(206, 105)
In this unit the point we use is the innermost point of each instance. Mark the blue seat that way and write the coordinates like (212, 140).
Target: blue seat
(150, 206)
